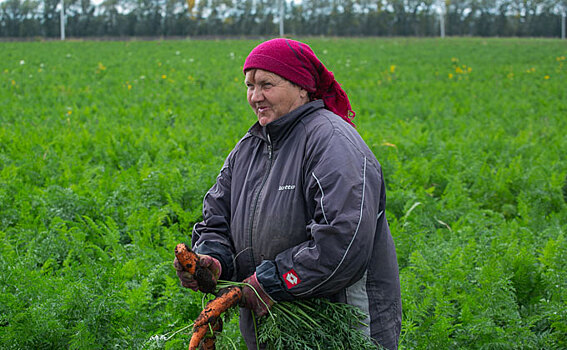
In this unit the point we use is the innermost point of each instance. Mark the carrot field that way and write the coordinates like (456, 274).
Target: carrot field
(107, 148)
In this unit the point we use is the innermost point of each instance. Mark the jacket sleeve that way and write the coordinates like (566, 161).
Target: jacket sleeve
(212, 235)
(342, 191)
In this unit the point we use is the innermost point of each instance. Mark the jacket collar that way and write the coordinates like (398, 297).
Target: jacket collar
(279, 128)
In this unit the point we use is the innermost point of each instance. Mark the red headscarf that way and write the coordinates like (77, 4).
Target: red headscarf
(296, 62)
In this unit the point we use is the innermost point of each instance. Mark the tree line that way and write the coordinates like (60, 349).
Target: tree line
(168, 18)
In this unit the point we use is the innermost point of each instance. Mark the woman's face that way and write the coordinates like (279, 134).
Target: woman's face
(272, 96)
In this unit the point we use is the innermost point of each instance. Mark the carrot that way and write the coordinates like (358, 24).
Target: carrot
(210, 315)
(188, 259)
(208, 344)
(190, 262)
(225, 299)
(200, 337)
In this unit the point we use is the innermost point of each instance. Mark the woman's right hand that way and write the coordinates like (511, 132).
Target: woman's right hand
(205, 261)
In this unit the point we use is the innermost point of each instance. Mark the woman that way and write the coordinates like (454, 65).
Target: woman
(298, 209)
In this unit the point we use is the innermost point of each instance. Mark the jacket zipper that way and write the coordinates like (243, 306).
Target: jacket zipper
(270, 153)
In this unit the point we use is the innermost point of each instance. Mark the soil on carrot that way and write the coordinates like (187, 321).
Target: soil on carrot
(190, 262)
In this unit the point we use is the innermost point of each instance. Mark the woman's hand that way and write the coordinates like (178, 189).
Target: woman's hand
(205, 261)
(254, 297)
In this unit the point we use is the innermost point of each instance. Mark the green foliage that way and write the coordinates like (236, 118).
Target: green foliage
(313, 324)
(106, 150)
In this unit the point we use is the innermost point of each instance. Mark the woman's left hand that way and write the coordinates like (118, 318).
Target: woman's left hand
(254, 297)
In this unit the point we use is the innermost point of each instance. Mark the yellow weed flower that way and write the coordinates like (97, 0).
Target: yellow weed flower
(164, 76)
(450, 75)
(388, 144)
(458, 70)
(101, 66)
(392, 69)
(546, 77)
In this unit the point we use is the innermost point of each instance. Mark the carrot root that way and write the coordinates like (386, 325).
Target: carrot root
(226, 298)
(190, 262)
(187, 258)
(198, 335)
(208, 344)
(210, 315)
(202, 338)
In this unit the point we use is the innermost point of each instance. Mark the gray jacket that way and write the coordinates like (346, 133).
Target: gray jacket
(301, 202)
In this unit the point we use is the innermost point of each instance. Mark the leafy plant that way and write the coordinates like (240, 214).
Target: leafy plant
(107, 148)
(313, 324)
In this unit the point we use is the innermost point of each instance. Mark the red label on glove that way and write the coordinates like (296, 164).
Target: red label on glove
(291, 279)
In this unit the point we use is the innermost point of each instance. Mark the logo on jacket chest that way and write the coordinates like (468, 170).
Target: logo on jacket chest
(286, 187)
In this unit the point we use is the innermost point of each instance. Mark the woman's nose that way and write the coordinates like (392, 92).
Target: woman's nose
(257, 95)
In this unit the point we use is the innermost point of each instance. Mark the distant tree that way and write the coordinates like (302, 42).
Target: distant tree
(377, 20)
(177, 20)
(113, 21)
(80, 18)
(485, 17)
(18, 18)
(244, 17)
(50, 18)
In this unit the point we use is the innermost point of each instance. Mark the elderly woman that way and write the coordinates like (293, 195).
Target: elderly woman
(298, 209)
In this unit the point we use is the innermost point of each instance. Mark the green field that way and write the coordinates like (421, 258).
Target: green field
(107, 148)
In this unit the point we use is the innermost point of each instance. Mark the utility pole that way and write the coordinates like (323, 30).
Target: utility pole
(442, 19)
(563, 25)
(281, 18)
(62, 20)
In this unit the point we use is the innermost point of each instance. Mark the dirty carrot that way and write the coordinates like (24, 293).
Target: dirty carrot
(208, 344)
(188, 259)
(198, 334)
(190, 262)
(225, 299)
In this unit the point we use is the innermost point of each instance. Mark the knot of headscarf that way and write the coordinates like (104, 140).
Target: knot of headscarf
(296, 62)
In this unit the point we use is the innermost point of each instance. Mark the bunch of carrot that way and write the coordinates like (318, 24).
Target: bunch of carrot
(302, 324)
(225, 298)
